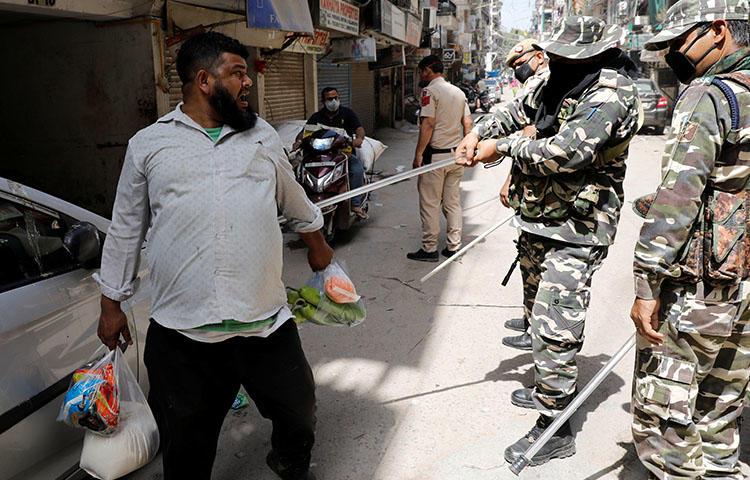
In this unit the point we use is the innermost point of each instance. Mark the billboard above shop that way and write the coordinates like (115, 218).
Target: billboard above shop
(286, 15)
(413, 30)
(392, 20)
(353, 50)
(338, 15)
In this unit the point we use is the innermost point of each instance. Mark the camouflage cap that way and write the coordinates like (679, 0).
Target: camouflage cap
(520, 49)
(584, 37)
(685, 14)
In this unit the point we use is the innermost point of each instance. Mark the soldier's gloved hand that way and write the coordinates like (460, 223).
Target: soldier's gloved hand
(485, 152)
(645, 316)
(465, 150)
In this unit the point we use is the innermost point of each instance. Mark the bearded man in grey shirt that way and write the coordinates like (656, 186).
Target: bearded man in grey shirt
(204, 185)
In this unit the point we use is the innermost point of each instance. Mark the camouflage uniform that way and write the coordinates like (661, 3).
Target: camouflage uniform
(689, 391)
(505, 119)
(565, 236)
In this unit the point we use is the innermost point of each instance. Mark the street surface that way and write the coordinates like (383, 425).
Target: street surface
(421, 389)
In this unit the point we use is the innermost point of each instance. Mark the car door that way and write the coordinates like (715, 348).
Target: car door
(49, 309)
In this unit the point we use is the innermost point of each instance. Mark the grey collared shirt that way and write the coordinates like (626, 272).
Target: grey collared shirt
(208, 212)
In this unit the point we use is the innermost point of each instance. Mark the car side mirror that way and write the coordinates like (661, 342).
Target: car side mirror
(82, 242)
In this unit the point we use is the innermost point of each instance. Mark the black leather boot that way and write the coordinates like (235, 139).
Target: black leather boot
(521, 342)
(517, 324)
(561, 445)
(522, 398)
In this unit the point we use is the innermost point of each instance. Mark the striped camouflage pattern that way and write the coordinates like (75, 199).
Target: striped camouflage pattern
(583, 37)
(514, 115)
(689, 391)
(685, 14)
(580, 162)
(694, 156)
(557, 280)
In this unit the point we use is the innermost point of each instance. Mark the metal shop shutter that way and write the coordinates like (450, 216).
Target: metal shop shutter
(285, 87)
(339, 76)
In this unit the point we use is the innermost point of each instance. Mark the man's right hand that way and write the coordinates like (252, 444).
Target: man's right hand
(112, 324)
(417, 162)
(504, 192)
(465, 150)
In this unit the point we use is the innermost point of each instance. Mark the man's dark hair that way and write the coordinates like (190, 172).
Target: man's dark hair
(740, 32)
(203, 51)
(432, 62)
(327, 90)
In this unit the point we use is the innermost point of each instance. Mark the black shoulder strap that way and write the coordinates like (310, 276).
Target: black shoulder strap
(734, 105)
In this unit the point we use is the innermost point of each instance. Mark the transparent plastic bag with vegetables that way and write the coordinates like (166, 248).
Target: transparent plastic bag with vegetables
(329, 298)
(92, 401)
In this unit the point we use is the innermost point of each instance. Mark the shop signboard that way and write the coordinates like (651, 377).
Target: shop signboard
(413, 30)
(392, 20)
(316, 44)
(353, 50)
(285, 15)
(467, 58)
(338, 15)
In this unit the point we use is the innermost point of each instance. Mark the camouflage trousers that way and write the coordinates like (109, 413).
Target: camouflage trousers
(689, 391)
(556, 289)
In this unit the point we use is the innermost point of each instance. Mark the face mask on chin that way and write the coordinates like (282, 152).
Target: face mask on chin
(685, 69)
(332, 105)
(524, 72)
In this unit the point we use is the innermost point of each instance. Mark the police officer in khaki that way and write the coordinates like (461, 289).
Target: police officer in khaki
(445, 119)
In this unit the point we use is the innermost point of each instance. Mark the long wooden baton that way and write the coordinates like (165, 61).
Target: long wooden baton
(467, 248)
(524, 460)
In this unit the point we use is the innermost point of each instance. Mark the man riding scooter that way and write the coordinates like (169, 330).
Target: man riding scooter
(334, 115)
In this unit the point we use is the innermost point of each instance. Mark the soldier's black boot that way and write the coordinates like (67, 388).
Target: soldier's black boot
(517, 324)
(561, 445)
(522, 398)
(521, 342)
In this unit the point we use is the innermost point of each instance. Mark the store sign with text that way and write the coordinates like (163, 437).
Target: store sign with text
(316, 44)
(353, 50)
(338, 15)
(286, 15)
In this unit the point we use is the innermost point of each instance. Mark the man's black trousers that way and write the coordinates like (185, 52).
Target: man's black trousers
(193, 385)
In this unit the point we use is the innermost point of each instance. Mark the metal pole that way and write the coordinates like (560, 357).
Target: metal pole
(466, 248)
(399, 177)
(524, 460)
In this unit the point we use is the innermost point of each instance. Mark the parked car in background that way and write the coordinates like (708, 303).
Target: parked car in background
(655, 105)
(49, 311)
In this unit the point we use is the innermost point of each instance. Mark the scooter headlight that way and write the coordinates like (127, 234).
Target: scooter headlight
(322, 144)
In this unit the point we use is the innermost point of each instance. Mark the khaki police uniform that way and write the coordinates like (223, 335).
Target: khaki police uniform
(445, 103)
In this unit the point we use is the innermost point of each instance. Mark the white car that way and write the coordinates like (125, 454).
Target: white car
(49, 310)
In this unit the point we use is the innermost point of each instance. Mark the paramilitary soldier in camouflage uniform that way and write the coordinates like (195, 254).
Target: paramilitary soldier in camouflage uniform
(567, 190)
(530, 66)
(693, 256)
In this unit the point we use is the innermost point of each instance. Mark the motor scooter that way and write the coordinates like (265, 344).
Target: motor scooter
(323, 171)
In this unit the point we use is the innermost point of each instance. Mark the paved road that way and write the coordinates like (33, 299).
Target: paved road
(421, 389)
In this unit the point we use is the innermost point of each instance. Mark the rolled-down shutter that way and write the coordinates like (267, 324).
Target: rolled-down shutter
(285, 87)
(363, 96)
(338, 76)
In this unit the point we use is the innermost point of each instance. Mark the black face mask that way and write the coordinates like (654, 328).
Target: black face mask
(523, 72)
(684, 68)
(226, 106)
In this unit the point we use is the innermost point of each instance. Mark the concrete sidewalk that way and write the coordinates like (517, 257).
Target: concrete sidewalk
(421, 389)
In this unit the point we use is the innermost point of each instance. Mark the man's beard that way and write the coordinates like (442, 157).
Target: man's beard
(226, 107)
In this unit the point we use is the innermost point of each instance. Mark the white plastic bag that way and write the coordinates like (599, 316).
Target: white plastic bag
(329, 298)
(136, 440)
(369, 152)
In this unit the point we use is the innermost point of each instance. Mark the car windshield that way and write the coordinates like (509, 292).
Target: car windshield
(644, 86)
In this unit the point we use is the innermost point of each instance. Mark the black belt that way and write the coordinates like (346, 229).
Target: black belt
(443, 150)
